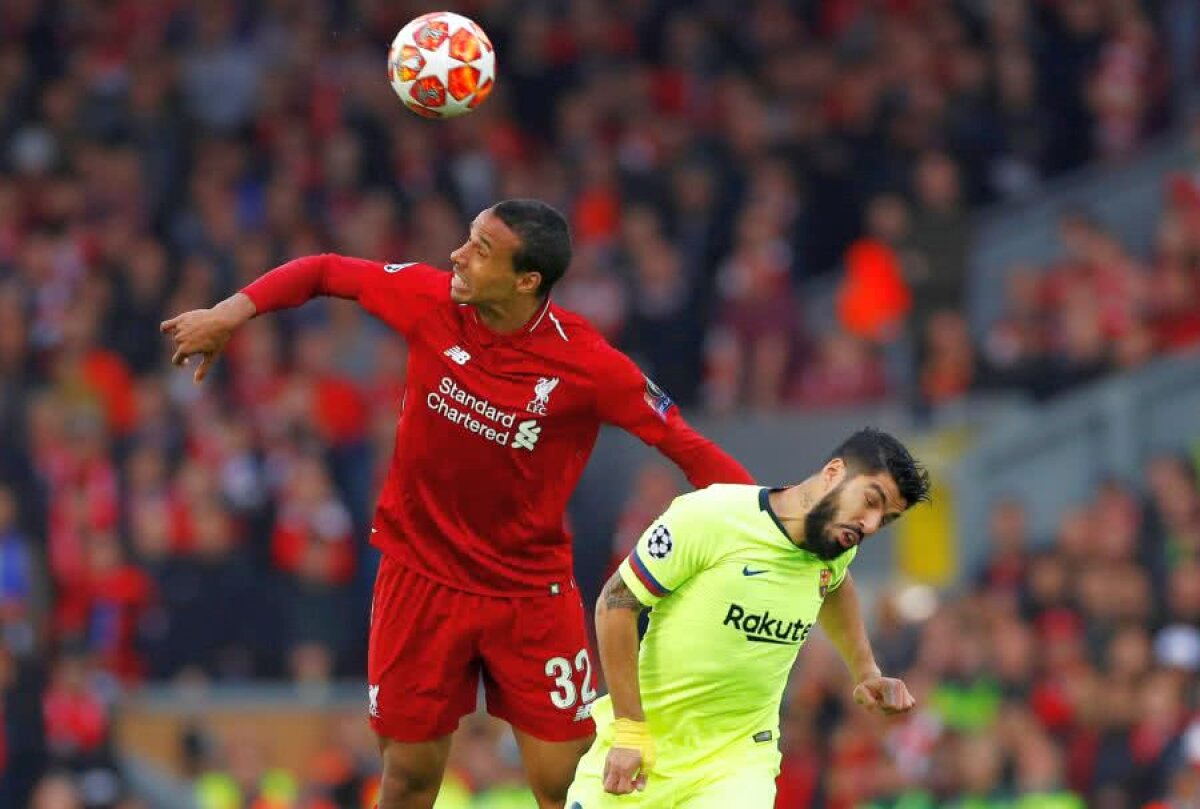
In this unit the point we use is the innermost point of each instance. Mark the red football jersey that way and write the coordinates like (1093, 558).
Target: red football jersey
(495, 429)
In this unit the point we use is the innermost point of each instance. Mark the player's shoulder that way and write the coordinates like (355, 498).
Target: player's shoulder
(570, 337)
(563, 325)
(419, 276)
(719, 502)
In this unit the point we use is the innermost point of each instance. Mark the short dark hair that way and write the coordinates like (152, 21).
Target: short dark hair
(870, 451)
(545, 239)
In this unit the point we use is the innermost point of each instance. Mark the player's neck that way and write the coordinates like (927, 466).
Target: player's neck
(791, 506)
(509, 316)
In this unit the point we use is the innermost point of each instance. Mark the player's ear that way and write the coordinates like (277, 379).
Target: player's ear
(529, 282)
(833, 473)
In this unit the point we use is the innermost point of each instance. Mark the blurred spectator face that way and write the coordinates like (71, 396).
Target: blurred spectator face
(8, 510)
(937, 181)
(1077, 233)
(212, 529)
(1116, 522)
(979, 760)
(14, 337)
(1173, 486)
(1008, 527)
(311, 663)
(1160, 701)
(887, 218)
(145, 469)
(79, 330)
(659, 270)
(1183, 593)
(1039, 765)
(1015, 76)
(695, 189)
(640, 226)
(1074, 533)
(314, 351)
(104, 553)
(147, 269)
(1128, 654)
(1012, 650)
(1048, 581)
(245, 761)
(56, 792)
(150, 531)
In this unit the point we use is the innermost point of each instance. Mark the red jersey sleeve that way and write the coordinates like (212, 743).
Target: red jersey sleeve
(398, 294)
(630, 400)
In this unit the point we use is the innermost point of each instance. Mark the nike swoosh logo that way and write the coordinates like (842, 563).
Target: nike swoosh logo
(746, 571)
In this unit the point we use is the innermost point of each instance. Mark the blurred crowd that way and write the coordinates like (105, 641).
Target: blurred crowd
(1096, 310)
(714, 159)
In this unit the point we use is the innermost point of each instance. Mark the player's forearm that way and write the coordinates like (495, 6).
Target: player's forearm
(302, 279)
(841, 619)
(236, 309)
(617, 613)
(702, 461)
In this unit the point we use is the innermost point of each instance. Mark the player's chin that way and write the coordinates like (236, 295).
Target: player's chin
(460, 295)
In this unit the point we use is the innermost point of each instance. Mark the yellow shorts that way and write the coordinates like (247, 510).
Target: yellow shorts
(747, 787)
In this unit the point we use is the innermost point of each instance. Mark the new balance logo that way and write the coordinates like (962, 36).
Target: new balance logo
(528, 433)
(583, 712)
(457, 354)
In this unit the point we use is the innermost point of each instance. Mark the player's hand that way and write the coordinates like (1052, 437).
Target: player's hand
(201, 331)
(630, 759)
(884, 694)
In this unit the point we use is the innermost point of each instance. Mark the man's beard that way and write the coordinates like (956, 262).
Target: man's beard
(818, 539)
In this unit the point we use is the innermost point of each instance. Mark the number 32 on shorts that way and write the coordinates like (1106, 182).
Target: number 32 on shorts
(565, 695)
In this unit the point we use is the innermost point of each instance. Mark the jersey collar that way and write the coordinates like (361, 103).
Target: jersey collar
(764, 504)
(487, 336)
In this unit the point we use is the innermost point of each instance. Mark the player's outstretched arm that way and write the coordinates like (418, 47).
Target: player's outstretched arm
(841, 618)
(629, 400)
(632, 753)
(207, 331)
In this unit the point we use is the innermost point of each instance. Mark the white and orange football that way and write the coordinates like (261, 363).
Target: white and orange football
(442, 65)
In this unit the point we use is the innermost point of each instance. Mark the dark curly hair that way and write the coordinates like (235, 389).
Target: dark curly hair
(870, 451)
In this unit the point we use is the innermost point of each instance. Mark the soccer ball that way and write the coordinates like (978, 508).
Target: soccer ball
(441, 65)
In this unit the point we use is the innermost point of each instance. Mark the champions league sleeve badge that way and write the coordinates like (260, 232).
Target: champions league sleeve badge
(657, 398)
(659, 544)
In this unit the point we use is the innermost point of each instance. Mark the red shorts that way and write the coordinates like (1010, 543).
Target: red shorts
(430, 644)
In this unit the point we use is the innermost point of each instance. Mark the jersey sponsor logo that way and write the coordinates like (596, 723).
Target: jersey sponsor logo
(458, 354)
(478, 415)
(746, 571)
(826, 578)
(373, 700)
(657, 399)
(760, 627)
(659, 544)
(541, 394)
(389, 268)
(528, 433)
